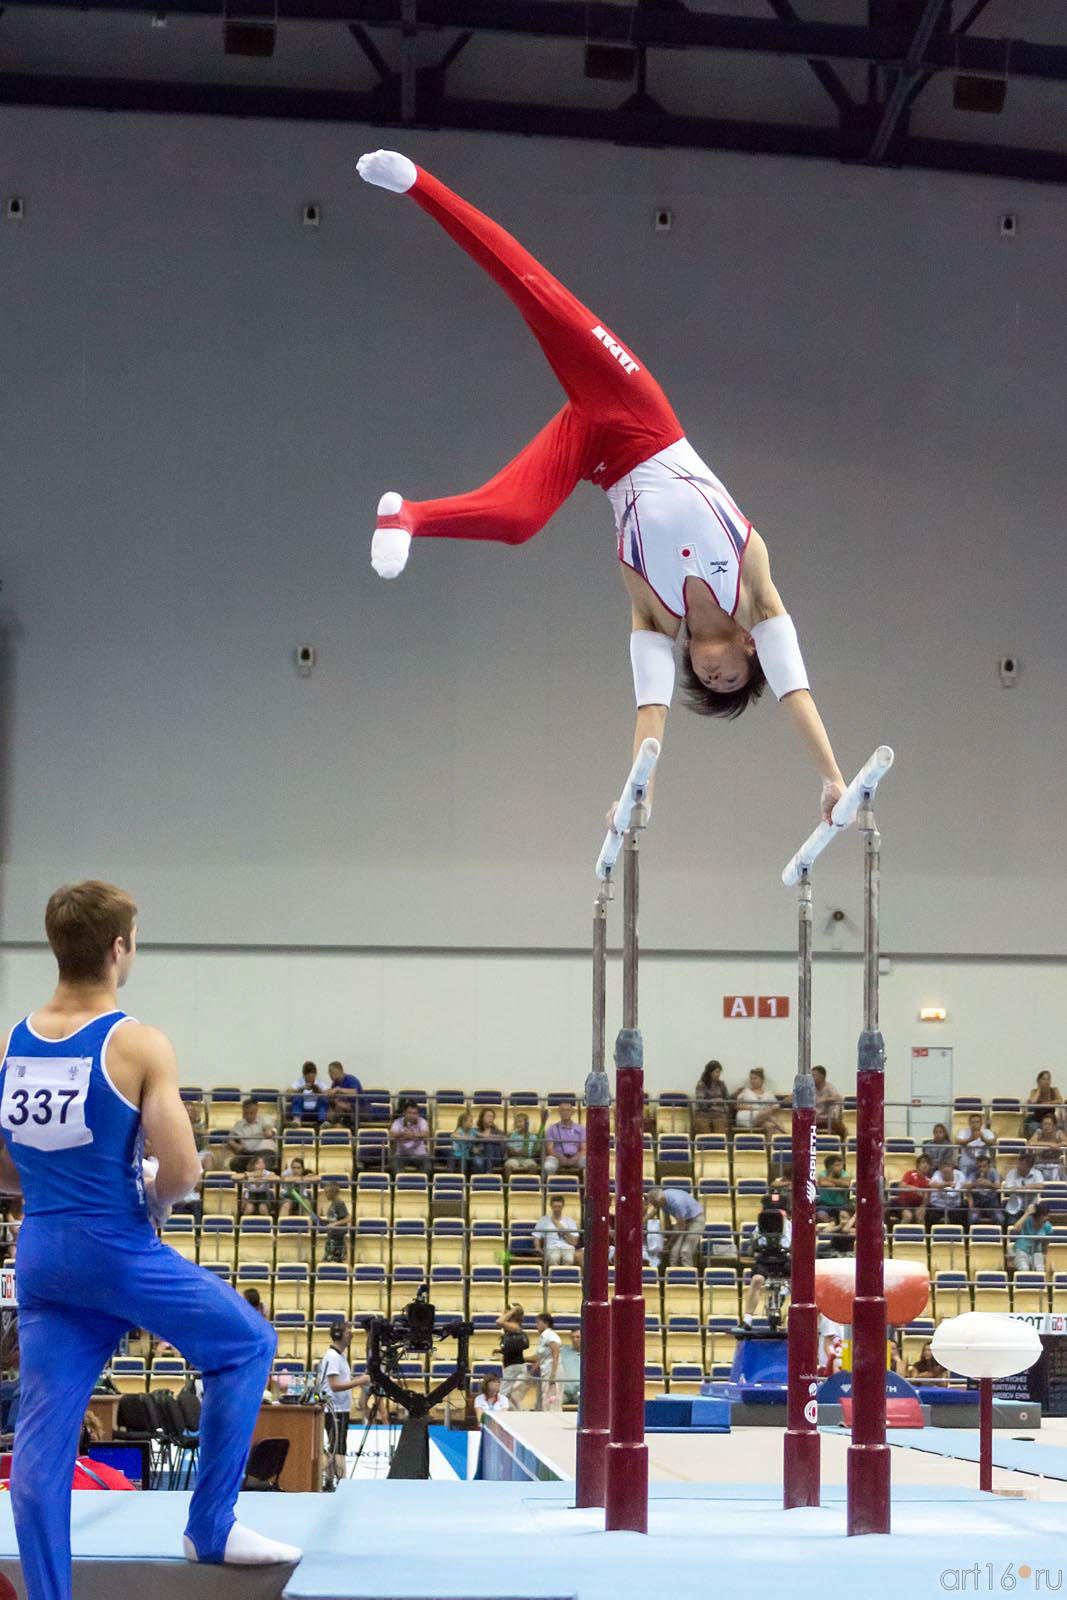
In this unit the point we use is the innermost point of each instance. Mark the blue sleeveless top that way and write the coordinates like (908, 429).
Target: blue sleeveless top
(76, 1142)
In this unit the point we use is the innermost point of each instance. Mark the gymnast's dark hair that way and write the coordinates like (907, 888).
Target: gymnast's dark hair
(709, 703)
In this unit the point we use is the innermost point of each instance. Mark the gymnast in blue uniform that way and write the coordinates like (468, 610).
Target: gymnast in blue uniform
(81, 1084)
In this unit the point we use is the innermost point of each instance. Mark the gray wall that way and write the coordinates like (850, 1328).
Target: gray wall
(202, 401)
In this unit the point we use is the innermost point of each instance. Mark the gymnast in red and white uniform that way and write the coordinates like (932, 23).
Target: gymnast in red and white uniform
(691, 560)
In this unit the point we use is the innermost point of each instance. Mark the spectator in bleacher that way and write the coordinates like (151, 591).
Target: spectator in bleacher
(343, 1090)
(570, 1367)
(832, 1191)
(843, 1238)
(556, 1236)
(829, 1106)
(462, 1143)
(831, 1343)
(910, 1195)
(946, 1201)
(939, 1147)
(307, 1103)
(489, 1144)
(756, 1106)
(683, 1224)
(983, 1192)
(194, 1110)
(252, 1136)
(1043, 1098)
(1024, 1175)
(309, 1067)
(546, 1364)
(513, 1346)
(334, 1213)
(524, 1146)
(652, 1253)
(489, 1397)
(1029, 1234)
(408, 1134)
(974, 1140)
(255, 1300)
(711, 1101)
(565, 1141)
(1048, 1144)
(296, 1188)
(257, 1191)
(927, 1366)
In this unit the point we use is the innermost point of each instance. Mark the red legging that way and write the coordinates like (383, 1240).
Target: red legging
(614, 418)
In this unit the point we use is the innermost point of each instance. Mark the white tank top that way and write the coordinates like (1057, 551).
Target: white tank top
(675, 520)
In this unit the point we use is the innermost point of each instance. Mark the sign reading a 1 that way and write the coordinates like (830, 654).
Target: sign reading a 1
(748, 1005)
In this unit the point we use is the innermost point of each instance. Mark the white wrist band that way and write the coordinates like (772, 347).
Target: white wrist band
(652, 658)
(779, 654)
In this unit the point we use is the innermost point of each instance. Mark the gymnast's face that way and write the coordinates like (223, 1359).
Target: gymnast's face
(722, 664)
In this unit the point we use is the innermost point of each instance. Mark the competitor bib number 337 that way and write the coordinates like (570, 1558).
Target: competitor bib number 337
(44, 1102)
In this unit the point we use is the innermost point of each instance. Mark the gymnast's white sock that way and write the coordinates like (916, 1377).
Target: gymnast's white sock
(387, 169)
(391, 545)
(246, 1548)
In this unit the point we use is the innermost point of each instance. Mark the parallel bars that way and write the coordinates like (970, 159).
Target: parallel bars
(612, 1459)
(868, 1455)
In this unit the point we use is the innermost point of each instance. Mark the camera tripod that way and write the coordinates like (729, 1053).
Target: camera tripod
(375, 1393)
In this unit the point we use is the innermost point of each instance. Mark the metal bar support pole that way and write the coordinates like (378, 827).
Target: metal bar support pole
(594, 1392)
(868, 1454)
(985, 1434)
(801, 1447)
(626, 1498)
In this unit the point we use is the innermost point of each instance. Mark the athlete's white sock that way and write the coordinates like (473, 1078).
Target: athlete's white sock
(390, 546)
(246, 1548)
(747, 1319)
(387, 169)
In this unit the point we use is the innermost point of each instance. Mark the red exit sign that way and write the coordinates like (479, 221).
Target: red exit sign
(749, 1005)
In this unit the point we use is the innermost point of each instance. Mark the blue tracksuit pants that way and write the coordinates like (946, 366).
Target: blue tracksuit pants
(82, 1283)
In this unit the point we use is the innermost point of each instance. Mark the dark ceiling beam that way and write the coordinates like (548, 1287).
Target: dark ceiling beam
(962, 27)
(910, 73)
(492, 116)
(408, 62)
(826, 75)
(371, 51)
(653, 26)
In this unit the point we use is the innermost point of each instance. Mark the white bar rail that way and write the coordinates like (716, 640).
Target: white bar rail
(864, 783)
(635, 790)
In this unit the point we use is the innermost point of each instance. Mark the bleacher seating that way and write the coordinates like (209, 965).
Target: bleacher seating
(472, 1237)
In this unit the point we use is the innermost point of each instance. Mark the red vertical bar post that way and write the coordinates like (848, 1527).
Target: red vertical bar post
(868, 1454)
(594, 1394)
(985, 1434)
(627, 1455)
(626, 1497)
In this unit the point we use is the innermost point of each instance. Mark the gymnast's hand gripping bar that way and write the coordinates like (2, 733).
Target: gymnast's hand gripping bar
(863, 784)
(635, 791)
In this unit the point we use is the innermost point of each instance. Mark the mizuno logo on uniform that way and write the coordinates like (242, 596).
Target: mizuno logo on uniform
(627, 363)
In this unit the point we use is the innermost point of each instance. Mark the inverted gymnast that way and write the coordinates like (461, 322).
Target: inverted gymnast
(81, 1083)
(689, 558)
